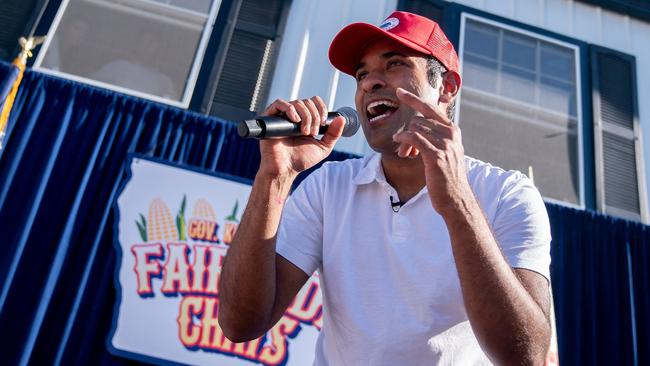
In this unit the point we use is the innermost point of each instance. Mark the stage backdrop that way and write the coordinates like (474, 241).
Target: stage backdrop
(65, 158)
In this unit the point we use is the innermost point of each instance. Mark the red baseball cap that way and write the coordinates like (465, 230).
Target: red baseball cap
(413, 31)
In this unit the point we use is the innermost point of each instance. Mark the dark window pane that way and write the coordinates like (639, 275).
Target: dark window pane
(480, 73)
(558, 62)
(513, 136)
(518, 84)
(519, 50)
(558, 96)
(481, 39)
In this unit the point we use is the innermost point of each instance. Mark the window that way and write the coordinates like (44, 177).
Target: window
(148, 48)
(520, 105)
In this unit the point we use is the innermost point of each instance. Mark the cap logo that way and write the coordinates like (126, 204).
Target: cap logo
(389, 24)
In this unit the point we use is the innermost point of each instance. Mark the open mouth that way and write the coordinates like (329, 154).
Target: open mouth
(380, 109)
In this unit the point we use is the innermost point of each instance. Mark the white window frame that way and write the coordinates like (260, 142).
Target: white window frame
(194, 70)
(581, 179)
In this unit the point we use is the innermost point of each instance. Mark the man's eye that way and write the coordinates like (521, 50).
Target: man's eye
(395, 63)
(361, 75)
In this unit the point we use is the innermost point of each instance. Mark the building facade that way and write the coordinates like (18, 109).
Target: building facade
(551, 87)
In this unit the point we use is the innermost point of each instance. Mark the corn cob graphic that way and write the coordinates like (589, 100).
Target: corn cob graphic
(203, 224)
(161, 225)
(204, 210)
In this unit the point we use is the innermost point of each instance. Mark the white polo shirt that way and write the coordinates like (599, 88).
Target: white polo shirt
(391, 294)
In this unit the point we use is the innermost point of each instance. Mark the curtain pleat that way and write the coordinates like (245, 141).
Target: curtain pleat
(65, 160)
(591, 286)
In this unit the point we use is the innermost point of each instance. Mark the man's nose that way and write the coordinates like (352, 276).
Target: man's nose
(373, 82)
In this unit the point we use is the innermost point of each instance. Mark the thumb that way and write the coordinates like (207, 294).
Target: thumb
(334, 132)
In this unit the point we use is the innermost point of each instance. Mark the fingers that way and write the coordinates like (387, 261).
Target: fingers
(407, 151)
(334, 132)
(322, 108)
(315, 117)
(305, 116)
(310, 113)
(404, 150)
(433, 126)
(414, 140)
(280, 106)
(437, 136)
(434, 131)
(427, 110)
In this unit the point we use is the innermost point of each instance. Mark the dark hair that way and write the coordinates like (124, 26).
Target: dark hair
(435, 70)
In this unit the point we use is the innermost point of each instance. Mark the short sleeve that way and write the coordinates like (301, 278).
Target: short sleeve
(300, 235)
(521, 226)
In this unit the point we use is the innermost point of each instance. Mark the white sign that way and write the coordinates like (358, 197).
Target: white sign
(174, 228)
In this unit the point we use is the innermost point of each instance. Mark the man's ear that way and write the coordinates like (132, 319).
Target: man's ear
(451, 82)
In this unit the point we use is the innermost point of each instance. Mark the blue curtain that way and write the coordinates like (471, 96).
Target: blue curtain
(639, 256)
(65, 158)
(595, 259)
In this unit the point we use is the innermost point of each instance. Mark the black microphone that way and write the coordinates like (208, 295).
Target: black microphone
(395, 205)
(264, 127)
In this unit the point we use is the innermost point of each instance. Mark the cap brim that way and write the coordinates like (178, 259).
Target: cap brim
(346, 48)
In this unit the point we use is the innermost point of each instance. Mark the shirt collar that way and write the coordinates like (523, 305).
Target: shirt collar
(371, 170)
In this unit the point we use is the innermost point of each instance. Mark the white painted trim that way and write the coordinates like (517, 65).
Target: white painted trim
(334, 84)
(167, 5)
(295, 88)
(578, 86)
(495, 23)
(643, 192)
(140, 9)
(639, 149)
(461, 54)
(190, 81)
(200, 52)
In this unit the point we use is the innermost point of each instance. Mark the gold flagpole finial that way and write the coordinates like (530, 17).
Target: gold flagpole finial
(27, 45)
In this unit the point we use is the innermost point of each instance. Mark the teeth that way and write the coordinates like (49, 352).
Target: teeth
(387, 103)
(373, 119)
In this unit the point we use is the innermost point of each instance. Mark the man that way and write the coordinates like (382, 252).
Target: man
(424, 255)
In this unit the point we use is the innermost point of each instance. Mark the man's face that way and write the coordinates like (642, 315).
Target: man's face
(384, 66)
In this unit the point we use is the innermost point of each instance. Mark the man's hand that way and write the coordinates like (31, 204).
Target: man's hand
(507, 309)
(294, 154)
(431, 134)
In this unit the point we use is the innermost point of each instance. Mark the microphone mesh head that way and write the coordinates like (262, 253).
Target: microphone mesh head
(351, 120)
